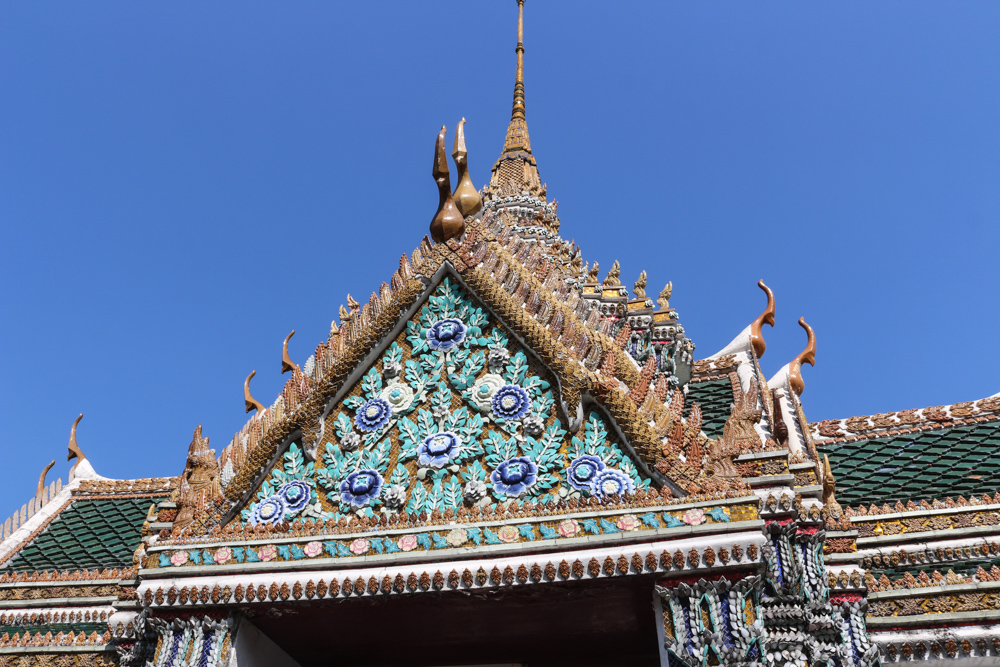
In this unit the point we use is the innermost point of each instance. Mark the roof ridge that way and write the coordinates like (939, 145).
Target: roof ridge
(887, 424)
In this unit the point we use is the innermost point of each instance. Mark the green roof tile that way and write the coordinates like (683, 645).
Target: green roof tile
(918, 466)
(714, 397)
(88, 534)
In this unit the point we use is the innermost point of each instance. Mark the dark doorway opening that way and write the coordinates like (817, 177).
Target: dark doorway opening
(604, 622)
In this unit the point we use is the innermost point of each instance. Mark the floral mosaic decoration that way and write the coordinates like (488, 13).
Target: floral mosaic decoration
(288, 494)
(457, 418)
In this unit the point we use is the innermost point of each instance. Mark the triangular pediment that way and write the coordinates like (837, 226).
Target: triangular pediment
(452, 410)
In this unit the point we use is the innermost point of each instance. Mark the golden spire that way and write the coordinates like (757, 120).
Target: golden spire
(466, 197)
(517, 141)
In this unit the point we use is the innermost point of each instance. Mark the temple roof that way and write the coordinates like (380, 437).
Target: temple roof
(914, 455)
(90, 533)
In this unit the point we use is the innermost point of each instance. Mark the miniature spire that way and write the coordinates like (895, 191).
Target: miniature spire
(251, 402)
(807, 355)
(447, 223)
(466, 196)
(41, 480)
(517, 141)
(286, 362)
(767, 317)
(74, 449)
(639, 289)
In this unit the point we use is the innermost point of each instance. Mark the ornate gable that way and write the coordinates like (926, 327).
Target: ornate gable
(453, 412)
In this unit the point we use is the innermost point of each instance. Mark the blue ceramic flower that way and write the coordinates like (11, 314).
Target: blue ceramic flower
(373, 415)
(610, 482)
(510, 402)
(438, 449)
(361, 487)
(583, 470)
(446, 334)
(515, 476)
(268, 511)
(296, 495)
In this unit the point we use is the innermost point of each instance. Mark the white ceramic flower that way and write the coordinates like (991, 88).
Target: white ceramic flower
(533, 425)
(395, 496)
(498, 356)
(475, 491)
(483, 390)
(350, 442)
(398, 395)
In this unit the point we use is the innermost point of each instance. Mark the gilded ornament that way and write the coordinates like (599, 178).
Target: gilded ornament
(447, 223)
(767, 317)
(663, 300)
(286, 362)
(74, 450)
(639, 289)
(807, 355)
(466, 197)
(250, 401)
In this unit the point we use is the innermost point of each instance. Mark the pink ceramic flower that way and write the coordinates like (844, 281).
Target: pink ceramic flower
(312, 549)
(359, 546)
(627, 522)
(694, 517)
(568, 528)
(407, 542)
(179, 558)
(267, 552)
(457, 537)
(507, 534)
(222, 555)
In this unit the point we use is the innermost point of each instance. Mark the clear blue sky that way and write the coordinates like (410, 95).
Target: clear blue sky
(181, 184)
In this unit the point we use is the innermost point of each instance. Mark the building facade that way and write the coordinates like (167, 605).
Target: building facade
(505, 458)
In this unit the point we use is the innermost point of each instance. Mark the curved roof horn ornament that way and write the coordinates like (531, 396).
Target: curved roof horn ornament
(74, 449)
(286, 361)
(448, 222)
(251, 402)
(807, 355)
(767, 317)
(466, 196)
(41, 480)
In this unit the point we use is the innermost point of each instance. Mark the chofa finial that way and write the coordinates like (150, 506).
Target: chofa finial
(41, 480)
(767, 317)
(251, 402)
(639, 289)
(74, 449)
(448, 222)
(466, 196)
(807, 355)
(286, 362)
